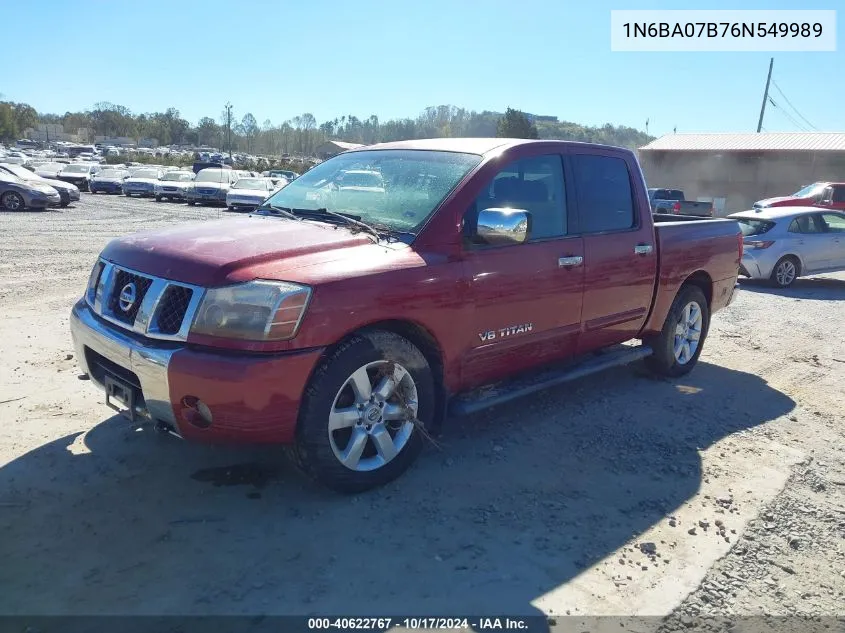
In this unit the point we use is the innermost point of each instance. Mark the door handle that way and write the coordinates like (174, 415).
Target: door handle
(643, 249)
(569, 262)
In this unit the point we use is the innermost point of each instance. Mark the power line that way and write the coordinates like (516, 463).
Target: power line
(787, 115)
(803, 118)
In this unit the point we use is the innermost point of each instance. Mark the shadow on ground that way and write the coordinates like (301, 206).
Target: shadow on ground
(816, 288)
(512, 504)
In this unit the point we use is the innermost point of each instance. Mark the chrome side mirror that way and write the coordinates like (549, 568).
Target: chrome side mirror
(498, 226)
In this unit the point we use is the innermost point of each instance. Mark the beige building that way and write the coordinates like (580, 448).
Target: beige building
(49, 132)
(735, 170)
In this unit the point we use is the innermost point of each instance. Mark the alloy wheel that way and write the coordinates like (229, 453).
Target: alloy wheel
(372, 415)
(688, 333)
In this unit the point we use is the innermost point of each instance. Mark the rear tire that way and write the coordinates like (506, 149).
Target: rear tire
(679, 344)
(374, 436)
(785, 272)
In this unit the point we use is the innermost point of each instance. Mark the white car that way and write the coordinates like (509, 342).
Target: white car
(784, 243)
(173, 185)
(248, 193)
(50, 170)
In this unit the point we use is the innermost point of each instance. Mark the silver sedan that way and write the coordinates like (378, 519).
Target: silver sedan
(17, 194)
(784, 243)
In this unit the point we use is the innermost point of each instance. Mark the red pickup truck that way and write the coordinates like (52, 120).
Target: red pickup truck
(829, 195)
(349, 323)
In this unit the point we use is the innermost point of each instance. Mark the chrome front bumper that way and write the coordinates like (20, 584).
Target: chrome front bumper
(149, 363)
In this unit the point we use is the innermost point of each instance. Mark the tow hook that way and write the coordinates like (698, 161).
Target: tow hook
(165, 429)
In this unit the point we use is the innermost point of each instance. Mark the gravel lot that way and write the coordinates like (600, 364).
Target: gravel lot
(718, 495)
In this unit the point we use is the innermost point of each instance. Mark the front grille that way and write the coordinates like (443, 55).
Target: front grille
(136, 287)
(170, 304)
(172, 308)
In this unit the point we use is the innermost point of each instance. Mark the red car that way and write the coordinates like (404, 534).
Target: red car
(349, 324)
(829, 195)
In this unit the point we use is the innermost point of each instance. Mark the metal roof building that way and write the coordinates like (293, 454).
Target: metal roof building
(333, 148)
(735, 170)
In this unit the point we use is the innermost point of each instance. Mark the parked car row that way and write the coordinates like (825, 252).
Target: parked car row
(58, 184)
(67, 192)
(17, 194)
(237, 189)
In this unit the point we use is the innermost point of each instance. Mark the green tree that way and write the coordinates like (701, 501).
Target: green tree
(514, 124)
(25, 116)
(8, 125)
(207, 131)
(249, 128)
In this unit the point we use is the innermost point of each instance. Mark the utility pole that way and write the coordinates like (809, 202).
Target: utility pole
(765, 95)
(229, 128)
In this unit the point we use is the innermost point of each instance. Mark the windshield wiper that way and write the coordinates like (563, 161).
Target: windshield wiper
(273, 210)
(350, 220)
(347, 218)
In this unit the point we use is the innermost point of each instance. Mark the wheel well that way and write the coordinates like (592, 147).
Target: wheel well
(424, 341)
(796, 259)
(701, 280)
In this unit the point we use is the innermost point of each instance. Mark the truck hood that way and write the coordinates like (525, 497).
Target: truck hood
(784, 201)
(227, 251)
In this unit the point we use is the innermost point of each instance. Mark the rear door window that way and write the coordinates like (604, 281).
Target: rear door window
(806, 224)
(604, 193)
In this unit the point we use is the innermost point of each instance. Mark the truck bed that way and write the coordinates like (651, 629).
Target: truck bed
(692, 245)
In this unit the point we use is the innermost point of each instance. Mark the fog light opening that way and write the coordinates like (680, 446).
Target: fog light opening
(196, 412)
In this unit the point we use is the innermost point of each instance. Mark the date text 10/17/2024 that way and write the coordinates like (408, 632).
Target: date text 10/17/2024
(380, 624)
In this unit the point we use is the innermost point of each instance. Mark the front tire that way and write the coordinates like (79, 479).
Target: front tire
(158, 198)
(191, 203)
(785, 272)
(364, 413)
(679, 344)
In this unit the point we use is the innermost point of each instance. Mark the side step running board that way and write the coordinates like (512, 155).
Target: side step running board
(499, 393)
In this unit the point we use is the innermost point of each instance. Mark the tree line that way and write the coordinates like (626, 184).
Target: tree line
(302, 134)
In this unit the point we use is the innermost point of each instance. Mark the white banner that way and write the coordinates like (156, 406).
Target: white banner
(729, 31)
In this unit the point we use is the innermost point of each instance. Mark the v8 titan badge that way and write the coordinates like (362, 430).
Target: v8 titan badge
(512, 330)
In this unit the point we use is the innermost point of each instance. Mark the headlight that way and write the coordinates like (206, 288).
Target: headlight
(255, 311)
(93, 282)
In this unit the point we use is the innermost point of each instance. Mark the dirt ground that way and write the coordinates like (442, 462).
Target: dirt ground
(720, 494)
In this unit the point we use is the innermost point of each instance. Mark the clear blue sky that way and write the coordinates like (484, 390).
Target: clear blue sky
(393, 58)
